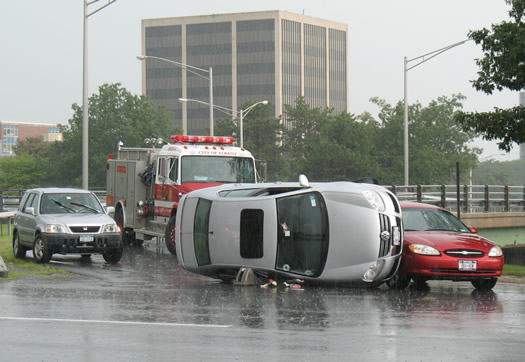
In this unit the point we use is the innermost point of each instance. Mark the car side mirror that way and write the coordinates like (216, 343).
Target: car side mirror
(29, 210)
(474, 230)
(110, 210)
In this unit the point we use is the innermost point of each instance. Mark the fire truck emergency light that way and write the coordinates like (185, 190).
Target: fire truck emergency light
(202, 139)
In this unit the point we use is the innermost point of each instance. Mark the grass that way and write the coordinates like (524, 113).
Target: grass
(514, 270)
(18, 268)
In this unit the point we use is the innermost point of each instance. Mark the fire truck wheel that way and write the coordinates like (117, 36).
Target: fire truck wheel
(170, 236)
(119, 219)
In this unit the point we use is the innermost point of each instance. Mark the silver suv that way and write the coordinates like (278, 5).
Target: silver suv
(65, 221)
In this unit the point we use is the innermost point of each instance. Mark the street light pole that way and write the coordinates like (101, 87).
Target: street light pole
(422, 59)
(85, 99)
(229, 111)
(245, 112)
(193, 70)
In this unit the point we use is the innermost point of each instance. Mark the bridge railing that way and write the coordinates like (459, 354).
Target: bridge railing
(472, 198)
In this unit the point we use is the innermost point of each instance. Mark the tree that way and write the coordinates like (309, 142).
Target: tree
(114, 115)
(303, 124)
(436, 142)
(20, 172)
(502, 66)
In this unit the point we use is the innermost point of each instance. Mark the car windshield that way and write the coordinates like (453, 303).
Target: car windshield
(432, 220)
(217, 169)
(70, 203)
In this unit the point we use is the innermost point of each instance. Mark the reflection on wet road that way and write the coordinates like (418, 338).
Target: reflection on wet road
(147, 308)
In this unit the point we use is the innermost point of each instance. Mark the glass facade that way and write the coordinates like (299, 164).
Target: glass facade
(208, 44)
(291, 64)
(164, 80)
(244, 48)
(10, 138)
(337, 69)
(315, 65)
(256, 61)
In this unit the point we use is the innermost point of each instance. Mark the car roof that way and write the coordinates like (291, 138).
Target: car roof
(59, 190)
(418, 205)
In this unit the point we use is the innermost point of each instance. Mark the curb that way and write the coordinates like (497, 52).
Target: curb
(3, 269)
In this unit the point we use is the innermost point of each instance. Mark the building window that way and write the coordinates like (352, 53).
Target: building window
(252, 222)
(10, 138)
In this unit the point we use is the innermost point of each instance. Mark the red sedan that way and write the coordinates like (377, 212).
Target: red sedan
(437, 245)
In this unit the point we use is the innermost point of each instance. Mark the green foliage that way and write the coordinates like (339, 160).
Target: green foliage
(502, 66)
(114, 115)
(328, 147)
(20, 172)
(499, 173)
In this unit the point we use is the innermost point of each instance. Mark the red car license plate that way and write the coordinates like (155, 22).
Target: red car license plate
(467, 264)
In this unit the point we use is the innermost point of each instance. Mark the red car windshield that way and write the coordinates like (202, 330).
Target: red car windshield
(432, 220)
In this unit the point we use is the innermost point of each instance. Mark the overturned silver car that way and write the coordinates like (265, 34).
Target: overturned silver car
(338, 232)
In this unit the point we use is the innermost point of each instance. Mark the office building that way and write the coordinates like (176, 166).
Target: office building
(269, 55)
(12, 132)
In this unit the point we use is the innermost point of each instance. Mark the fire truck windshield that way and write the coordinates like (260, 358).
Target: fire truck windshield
(217, 169)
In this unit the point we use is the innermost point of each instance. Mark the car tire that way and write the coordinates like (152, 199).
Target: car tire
(484, 284)
(41, 252)
(420, 283)
(170, 236)
(113, 256)
(18, 250)
(399, 281)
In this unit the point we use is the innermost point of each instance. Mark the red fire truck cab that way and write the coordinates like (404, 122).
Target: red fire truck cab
(145, 184)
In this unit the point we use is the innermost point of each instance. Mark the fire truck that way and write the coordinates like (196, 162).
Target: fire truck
(145, 184)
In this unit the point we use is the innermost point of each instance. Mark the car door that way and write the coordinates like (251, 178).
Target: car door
(27, 220)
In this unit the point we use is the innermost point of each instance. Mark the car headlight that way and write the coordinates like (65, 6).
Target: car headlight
(423, 249)
(374, 200)
(56, 229)
(495, 251)
(110, 228)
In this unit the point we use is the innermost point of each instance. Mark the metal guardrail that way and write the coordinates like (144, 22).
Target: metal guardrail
(472, 198)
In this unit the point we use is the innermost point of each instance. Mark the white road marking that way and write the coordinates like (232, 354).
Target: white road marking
(94, 321)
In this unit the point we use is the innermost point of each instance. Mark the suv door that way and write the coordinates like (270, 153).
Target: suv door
(26, 221)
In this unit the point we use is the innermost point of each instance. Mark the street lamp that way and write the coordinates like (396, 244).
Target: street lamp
(242, 112)
(85, 101)
(193, 70)
(422, 59)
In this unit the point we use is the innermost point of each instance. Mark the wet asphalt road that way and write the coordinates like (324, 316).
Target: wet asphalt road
(148, 309)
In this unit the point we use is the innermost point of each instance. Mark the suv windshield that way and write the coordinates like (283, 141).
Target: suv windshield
(70, 203)
(217, 169)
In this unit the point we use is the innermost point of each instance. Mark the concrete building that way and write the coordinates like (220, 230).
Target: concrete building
(270, 55)
(12, 132)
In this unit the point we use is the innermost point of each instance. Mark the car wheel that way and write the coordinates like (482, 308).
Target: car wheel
(420, 283)
(41, 252)
(18, 250)
(113, 256)
(399, 281)
(484, 284)
(170, 236)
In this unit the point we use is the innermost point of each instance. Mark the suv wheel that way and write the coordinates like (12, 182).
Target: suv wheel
(18, 250)
(114, 255)
(41, 252)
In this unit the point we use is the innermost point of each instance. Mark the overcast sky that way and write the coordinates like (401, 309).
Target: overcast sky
(41, 61)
